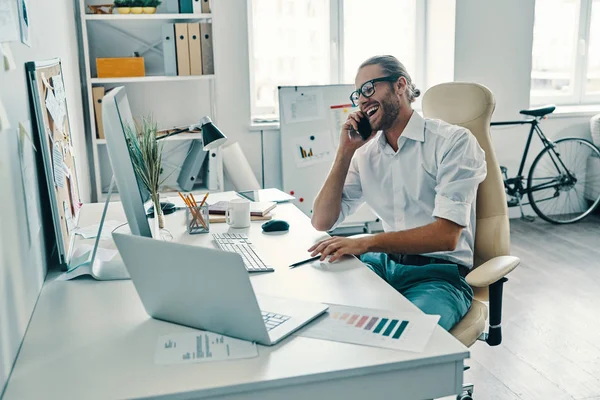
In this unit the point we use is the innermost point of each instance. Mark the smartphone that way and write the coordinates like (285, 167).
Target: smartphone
(364, 128)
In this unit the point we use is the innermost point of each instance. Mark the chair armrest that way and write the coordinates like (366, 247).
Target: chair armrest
(492, 271)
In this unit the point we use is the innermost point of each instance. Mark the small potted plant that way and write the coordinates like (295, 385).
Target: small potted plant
(137, 6)
(150, 6)
(146, 153)
(123, 6)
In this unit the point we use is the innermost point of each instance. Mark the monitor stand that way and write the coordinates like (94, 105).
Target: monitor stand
(91, 265)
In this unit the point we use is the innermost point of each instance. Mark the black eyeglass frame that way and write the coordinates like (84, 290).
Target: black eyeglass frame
(391, 78)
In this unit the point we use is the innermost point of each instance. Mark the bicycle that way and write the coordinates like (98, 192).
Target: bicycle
(563, 183)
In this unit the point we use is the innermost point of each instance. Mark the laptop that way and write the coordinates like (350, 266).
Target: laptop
(208, 289)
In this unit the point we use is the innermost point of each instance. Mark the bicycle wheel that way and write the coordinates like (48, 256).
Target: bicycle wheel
(563, 185)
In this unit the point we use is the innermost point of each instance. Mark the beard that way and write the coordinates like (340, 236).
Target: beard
(390, 109)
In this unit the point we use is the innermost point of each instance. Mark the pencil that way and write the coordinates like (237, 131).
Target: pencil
(204, 199)
(197, 211)
(197, 218)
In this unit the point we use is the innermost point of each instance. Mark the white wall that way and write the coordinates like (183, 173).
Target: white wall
(493, 46)
(23, 264)
(232, 85)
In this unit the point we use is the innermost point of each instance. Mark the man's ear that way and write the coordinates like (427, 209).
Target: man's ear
(401, 85)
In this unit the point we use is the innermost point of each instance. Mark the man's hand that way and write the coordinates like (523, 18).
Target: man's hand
(336, 247)
(350, 142)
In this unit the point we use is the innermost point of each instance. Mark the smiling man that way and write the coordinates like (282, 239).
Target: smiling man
(420, 176)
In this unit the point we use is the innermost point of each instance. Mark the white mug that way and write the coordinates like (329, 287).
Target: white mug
(238, 213)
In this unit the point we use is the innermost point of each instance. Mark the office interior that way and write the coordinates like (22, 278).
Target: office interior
(528, 53)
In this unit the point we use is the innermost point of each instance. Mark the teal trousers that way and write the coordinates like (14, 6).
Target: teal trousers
(434, 288)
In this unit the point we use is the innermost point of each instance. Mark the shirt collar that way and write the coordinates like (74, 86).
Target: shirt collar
(414, 130)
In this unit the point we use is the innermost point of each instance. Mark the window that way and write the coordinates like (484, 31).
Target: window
(318, 42)
(566, 52)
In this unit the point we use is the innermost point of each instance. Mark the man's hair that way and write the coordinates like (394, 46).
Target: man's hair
(392, 67)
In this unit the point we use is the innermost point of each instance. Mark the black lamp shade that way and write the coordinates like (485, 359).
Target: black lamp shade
(212, 137)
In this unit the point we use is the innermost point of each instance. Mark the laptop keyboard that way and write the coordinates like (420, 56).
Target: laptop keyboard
(240, 243)
(273, 320)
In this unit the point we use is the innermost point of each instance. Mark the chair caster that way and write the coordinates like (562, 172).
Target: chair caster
(467, 393)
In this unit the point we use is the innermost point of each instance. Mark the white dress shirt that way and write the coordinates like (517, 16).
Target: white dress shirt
(434, 173)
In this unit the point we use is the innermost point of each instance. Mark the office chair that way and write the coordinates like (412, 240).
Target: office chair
(471, 105)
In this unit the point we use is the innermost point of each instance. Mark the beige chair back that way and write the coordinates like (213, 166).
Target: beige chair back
(471, 105)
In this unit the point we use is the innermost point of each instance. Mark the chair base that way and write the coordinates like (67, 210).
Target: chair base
(467, 393)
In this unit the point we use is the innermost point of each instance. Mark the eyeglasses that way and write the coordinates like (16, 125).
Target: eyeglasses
(368, 88)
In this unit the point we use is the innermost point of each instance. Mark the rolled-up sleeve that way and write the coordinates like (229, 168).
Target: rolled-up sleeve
(461, 170)
(352, 194)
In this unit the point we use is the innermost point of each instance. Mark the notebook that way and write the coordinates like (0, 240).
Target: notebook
(271, 194)
(259, 209)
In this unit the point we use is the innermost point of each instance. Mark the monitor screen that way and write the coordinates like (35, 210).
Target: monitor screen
(116, 117)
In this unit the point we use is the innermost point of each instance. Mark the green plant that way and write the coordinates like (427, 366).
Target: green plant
(146, 157)
(122, 3)
(152, 3)
(138, 3)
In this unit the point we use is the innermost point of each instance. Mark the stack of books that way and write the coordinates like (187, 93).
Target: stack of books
(259, 211)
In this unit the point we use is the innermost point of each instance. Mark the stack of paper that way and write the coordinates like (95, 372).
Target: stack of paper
(400, 331)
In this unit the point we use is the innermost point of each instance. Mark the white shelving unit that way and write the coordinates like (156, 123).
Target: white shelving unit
(145, 79)
(141, 17)
(187, 98)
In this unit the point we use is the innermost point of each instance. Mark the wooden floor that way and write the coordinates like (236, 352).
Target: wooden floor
(551, 318)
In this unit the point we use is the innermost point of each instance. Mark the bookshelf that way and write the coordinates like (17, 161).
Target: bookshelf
(173, 101)
(146, 79)
(165, 17)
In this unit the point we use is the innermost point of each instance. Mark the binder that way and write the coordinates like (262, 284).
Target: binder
(206, 43)
(194, 49)
(172, 6)
(182, 48)
(170, 55)
(190, 170)
(197, 6)
(97, 95)
(206, 6)
(185, 6)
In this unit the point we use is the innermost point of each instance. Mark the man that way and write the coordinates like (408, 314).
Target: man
(420, 176)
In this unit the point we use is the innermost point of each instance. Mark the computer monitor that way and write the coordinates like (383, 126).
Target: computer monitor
(116, 116)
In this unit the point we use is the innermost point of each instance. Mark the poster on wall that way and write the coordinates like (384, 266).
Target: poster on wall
(9, 29)
(24, 22)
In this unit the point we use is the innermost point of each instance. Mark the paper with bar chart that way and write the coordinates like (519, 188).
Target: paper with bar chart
(313, 148)
(370, 327)
(201, 346)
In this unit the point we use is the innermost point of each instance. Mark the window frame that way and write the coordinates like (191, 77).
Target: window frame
(579, 71)
(336, 28)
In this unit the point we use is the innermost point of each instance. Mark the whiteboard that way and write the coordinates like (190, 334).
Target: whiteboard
(311, 118)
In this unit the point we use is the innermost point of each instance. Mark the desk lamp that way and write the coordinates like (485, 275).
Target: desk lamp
(212, 138)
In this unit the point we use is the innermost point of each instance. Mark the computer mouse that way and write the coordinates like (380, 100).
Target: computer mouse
(275, 225)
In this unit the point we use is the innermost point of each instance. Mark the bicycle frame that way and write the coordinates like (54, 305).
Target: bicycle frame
(517, 181)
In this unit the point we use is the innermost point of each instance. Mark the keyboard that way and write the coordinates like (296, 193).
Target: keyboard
(240, 244)
(273, 320)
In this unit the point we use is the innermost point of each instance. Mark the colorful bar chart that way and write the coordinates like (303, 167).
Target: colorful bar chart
(313, 148)
(401, 331)
(385, 327)
(304, 153)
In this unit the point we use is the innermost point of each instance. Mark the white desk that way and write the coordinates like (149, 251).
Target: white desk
(90, 339)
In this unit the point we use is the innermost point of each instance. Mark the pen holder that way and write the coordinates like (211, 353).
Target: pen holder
(196, 219)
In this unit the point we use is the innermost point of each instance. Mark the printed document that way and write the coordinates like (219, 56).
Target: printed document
(370, 327)
(201, 346)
